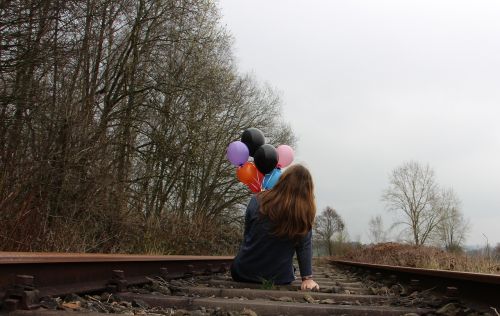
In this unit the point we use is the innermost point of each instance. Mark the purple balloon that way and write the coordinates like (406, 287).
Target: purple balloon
(237, 153)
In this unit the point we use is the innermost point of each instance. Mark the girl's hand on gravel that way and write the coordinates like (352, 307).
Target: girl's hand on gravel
(309, 284)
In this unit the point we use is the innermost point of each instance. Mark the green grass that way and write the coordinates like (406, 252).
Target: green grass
(267, 284)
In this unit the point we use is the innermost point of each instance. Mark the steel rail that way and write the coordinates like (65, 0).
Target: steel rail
(57, 274)
(479, 287)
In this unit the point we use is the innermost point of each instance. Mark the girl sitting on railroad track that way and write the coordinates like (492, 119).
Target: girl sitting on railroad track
(278, 223)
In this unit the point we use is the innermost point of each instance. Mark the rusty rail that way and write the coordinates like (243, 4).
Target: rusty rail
(28, 276)
(477, 287)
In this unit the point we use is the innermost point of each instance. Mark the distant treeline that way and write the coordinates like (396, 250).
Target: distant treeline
(115, 116)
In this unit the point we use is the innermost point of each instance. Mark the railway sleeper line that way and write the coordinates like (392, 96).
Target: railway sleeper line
(209, 295)
(202, 294)
(388, 297)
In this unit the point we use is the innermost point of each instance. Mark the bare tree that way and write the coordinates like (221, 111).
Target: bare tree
(376, 230)
(487, 248)
(327, 225)
(496, 251)
(118, 112)
(452, 229)
(412, 194)
(341, 243)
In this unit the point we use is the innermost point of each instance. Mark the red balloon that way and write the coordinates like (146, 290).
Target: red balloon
(251, 176)
(256, 184)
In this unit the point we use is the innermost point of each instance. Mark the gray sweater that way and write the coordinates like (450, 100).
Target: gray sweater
(263, 256)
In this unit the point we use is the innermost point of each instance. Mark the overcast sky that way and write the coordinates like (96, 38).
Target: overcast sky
(369, 85)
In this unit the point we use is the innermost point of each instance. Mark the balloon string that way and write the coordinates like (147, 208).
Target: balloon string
(256, 179)
(254, 186)
(254, 183)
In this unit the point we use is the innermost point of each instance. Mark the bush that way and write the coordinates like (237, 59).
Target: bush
(421, 257)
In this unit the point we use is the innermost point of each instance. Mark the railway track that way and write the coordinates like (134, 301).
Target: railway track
(54, 284)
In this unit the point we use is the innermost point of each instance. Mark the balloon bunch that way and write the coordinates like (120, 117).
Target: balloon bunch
(265, 169)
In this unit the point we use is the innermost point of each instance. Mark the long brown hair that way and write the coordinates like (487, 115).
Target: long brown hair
(290, 204)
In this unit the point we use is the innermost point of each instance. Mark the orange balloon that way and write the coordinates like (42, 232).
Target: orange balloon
(251, 176)
(246, 172)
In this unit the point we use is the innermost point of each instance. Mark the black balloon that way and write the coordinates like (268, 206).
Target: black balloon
(266, 158)
(253, 138)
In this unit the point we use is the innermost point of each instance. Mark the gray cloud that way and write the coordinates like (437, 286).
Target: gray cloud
(368, 85)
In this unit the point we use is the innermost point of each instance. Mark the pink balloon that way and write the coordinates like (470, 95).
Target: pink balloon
(285, 155)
